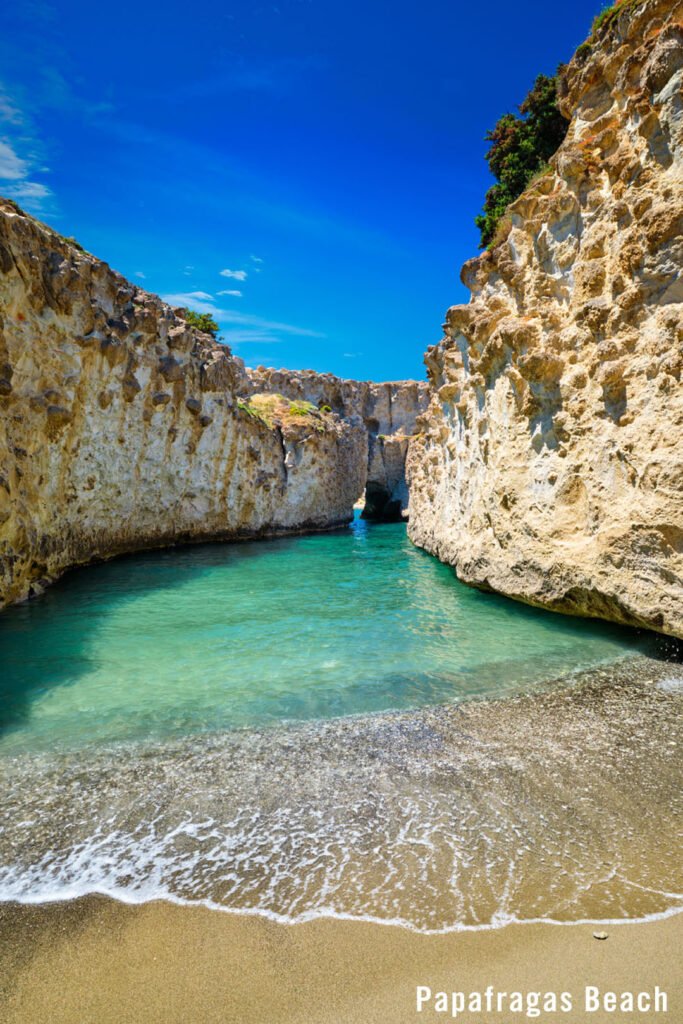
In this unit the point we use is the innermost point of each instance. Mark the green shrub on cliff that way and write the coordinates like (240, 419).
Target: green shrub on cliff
(520, 148)
(302, 408)
(606, 15)
(201, 322)
(274, 409)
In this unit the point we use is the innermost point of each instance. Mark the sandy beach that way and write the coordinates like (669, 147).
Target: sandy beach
(98, 960)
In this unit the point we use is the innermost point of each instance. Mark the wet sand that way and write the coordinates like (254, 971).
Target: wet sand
(564, 805)
(96, 960)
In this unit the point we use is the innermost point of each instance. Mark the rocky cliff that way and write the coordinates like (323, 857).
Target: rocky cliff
(550, 463)
(122, 428)
(388, 412)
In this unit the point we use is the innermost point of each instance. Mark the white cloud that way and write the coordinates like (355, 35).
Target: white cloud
(190, 299)
(8, 112)
(255, 259)
(239, 275)
(30, 190)
(12, 167)
(138, 273)
(19, 158)
(253, 328)
(231, 291)
(252, 337)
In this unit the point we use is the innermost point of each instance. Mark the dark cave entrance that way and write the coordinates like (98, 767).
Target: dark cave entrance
(380, 506)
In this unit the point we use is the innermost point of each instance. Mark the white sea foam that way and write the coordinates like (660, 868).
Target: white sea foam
(136, 898)
(444, 820)
(671, 684)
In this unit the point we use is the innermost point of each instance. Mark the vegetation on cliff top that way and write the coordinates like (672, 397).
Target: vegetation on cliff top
(201, 322)
(520, 148)
(607, 15)
(276, 410)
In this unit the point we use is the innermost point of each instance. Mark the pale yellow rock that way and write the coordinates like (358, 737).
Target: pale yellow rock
(388, 411)
(123, 428)
(550, 463)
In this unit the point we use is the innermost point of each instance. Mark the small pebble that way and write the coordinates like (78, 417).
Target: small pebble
(599, 935)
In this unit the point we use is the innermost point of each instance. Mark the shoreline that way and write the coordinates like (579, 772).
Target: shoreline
(407, 782)
(314, 917)
(101, 959)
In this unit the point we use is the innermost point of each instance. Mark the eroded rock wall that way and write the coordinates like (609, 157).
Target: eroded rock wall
(550, 462)
(122, 428)
(389, 412)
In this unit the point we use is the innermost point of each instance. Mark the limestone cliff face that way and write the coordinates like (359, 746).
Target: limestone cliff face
(121, 427)
(388, 411)
(550, 463)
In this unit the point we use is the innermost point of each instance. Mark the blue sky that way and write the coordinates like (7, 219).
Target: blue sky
(309, 170)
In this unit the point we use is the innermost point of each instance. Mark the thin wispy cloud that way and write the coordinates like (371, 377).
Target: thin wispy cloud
(239, 75)
(54, 91)
(31, 191)
(12, 167)
(253, 337)
(19, 157)
(231, 291)
(138, 273)
(250, 185)
(255, 259)
(241, 328)
(8, 111)
(238, 275)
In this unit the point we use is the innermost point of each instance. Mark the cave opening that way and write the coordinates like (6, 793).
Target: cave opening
(380, 505)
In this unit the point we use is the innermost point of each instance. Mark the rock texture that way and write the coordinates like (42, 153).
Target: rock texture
(388, 411)
(550, 463)
(123, 428)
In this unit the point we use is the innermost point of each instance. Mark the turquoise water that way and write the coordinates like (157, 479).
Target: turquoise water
(227, 636)
(192, 725)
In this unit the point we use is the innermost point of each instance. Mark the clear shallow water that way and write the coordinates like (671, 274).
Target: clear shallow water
(193, 725)
(169, 644)
(564, 805)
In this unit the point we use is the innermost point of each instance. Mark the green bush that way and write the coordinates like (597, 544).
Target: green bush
(602, 16)
(301, 408)
(520, 148)
(201, 322)
(583, 51)
(252, 411)
(607, 14)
